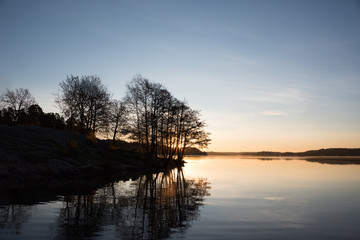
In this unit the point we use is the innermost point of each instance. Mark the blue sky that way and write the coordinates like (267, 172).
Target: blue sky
(267, 75)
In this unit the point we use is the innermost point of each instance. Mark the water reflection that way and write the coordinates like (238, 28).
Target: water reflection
(12, 217)
(250, 199)
(324, 160)
(153, 207)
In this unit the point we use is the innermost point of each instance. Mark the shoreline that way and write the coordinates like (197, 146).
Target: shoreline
(324, 152)
(29, 153)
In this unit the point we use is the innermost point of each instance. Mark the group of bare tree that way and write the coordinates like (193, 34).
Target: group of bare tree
(149, 115)
(16, 102)
(88, 106)
(85, 101)
(18, 107)
(163, 125)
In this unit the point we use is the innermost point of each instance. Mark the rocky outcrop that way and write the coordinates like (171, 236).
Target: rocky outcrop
(28, 153)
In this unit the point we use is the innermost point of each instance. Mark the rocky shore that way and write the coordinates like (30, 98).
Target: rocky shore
(34, 153)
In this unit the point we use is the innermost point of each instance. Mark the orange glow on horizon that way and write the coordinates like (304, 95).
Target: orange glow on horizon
(295, 142)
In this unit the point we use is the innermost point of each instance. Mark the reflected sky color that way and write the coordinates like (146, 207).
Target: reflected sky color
(275, 199)
(249, 174)
(222, 197)
(279, 76)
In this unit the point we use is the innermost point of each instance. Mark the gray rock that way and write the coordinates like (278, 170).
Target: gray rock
(57, 166)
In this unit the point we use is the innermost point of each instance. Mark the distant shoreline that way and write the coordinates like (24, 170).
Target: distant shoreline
(327, 152)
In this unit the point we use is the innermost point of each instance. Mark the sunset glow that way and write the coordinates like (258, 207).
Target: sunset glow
(279, 76)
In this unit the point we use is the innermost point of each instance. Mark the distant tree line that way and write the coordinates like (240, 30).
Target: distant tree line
(149, 115)
(319, 152)
(20, 108)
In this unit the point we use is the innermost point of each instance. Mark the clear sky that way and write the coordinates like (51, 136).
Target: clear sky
(266, 75)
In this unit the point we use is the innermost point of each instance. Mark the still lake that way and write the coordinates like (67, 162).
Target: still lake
(212, 197)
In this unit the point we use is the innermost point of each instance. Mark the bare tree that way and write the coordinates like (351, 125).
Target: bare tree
(71, 99)
(97, 105)
(145, 103)
(191, 132)
(118, 118)
(163, 125)
(86, 101)
(18, 100)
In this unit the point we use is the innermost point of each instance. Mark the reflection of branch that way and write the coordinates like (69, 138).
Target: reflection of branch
(12, 218)
(136, 206)
(153, 208)
(169, 201)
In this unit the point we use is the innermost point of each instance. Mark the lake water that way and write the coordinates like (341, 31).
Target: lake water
(212, 197)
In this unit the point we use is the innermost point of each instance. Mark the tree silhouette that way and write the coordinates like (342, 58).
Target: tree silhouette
(160, 123)
(86, 101)
(17, 101)
(34, 115)
(118, 118)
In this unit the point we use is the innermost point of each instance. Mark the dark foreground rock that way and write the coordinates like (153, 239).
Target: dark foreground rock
(34, 153)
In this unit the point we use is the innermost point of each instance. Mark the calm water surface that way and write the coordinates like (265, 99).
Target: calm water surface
(212, 197)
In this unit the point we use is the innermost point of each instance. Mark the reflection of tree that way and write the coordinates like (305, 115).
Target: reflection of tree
(153, 207)
(166, 203)
(81, 217)
(12, 218)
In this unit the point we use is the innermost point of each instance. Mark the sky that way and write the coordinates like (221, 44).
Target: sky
(266, 75)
